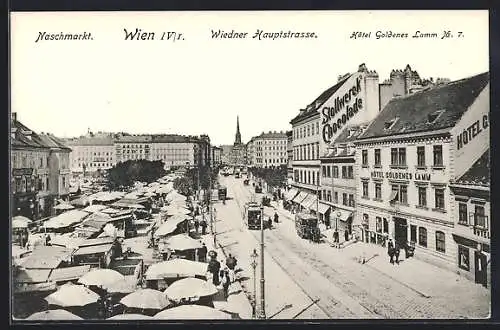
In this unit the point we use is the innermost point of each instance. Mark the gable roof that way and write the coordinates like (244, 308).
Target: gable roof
(53, 142)
(478, 173)
(312, 109)
(20, 139)
(413, 111)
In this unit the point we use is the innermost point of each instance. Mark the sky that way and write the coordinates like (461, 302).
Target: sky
(199, 85)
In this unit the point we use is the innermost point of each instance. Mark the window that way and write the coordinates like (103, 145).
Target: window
(439, 198)
(317, 149)
(378, 160)
(402, 156)
(432, 117)
(344, 172)
(378, 190)
(317, 128)
(389, 124)
(462, 214)
(395, 193)
(344, 199)
(329, 196)
(421, 156)
(335, 171)
(440, 242)
(422, 236)
(350, 172)
(413, 233)
(351, 200)
(336, 197)
(422, 196)
(403, 194)
(328, 171)
(364, 157)
(386, 226)
(394, 156)
(365, 189)
(323, 168)
(463, 258)
(309, 177)
(479, 217)
(438, 156)
(378, 224)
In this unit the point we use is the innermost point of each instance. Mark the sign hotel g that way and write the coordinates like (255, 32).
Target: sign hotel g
(352, 104)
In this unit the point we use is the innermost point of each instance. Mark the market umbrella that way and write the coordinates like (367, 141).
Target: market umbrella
(121, 286)
(130, 317)
(94, 208)
(176, 268)
(20, 222)
(170, 225)
(101, 277)
(145, 299)
(182, 242)
(192, 312)
(70, 295)
(64, 206)
(53, 314)
(190, 288)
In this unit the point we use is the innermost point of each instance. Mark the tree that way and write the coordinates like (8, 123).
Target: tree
(273, 176)
(130, 171)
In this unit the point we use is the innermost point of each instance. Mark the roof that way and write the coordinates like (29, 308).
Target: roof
(478, 173)
(68, 273)
(132, 138)
(47, 257)
(312, 108)
(33, 275)
(91, 141)
(350, 133)
(103, 248)
(271, 135)
(53, 142)
(172, 138)
(413, 111)
(21, 138)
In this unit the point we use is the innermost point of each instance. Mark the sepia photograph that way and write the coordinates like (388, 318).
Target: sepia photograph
(249, 165)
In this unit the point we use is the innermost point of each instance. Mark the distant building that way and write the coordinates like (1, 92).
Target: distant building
(92, 152)
(250, 147)
(237, 153)
(270, 149)
(289, 155)
(216, 155)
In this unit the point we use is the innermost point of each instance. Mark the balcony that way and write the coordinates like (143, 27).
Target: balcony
(481, 232)
(476, 229)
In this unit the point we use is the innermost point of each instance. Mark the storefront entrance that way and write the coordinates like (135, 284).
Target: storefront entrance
(480, 266)
(400, 231)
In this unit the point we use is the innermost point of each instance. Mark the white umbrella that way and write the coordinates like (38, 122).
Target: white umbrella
(121, 286)
(176, 268)
(190, 288)
(145, 299)
(53, 314)
(20, 222)
(177, 211)
(182, 242)
(94, 208)
(101, 277)
(130, 317)
(64, 206)
(70, 295)
(192, 312)
(170, 225)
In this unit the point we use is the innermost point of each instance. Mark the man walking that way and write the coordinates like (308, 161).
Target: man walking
(203, 226)
(196, 225)
(202, 253)
(214, 268)
(397, 250)
(390, 251)
(231, 265)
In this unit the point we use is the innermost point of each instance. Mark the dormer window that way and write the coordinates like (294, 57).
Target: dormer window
(432, 117)
(389, 124)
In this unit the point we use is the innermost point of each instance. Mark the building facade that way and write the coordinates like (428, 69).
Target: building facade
(91, 153)
(338, 183)
(472, 225)
(406, 159)
(289, 156)
(251, 155)
(270, 149)
(216, 155)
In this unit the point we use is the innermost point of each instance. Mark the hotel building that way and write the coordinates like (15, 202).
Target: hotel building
(270, 149)
(406, 159)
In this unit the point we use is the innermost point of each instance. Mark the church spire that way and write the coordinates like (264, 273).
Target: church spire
(237, 139)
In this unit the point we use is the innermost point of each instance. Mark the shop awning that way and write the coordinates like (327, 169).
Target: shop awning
(291, 194)
(323, 208)
(94, 249)
(309, 201)
(342, 215)
(68, 273)
(300, 197)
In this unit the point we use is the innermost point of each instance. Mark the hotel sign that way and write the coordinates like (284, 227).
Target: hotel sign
(472, 131)
(401, 176)
(332, 119)
(22, 171)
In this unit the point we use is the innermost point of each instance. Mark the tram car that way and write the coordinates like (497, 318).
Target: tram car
(307, 226)
(252, 215)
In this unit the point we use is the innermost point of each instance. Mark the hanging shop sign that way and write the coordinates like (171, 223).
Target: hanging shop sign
(350, 102)
(472, 131)
(401, 176)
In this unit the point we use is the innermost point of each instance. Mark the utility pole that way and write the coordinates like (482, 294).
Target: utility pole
(254, 256)
(262, 280)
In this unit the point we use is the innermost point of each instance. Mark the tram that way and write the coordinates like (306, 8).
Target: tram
(253, 215)
(307, 226)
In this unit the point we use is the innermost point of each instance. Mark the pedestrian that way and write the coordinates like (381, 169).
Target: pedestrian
(47, 239)
(225, 283)
(214, 268)
(276, 217)
(203, 225)
(390, 251)
(202, 253)
(231, 265)
(346, 235)
(196, 224)
(335, 237)
(270, 223)
(197, 211)
(397, 250)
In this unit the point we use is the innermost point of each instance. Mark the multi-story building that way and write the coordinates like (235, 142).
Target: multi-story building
(338, 184)
(270, 149)
(59, 171)
(472, 226)
(132, 147)
(91, 153)
(407, 157)
(216, 155)
(251, 155)
(353, 100)
(289, 156)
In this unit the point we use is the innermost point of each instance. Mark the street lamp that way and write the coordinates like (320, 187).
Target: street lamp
(262, 280)
(254, 256)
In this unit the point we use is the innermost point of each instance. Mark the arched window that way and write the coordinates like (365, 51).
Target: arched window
(422, 236)
(440, 242)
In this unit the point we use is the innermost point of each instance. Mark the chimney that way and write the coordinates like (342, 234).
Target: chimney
(14, 116)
